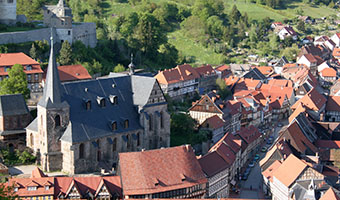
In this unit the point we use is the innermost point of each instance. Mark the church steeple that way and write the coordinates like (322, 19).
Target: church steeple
(131, 66)
(52, 90)
(61, 3)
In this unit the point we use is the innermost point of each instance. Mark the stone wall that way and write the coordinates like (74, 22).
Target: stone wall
(8, 12)
(85, 32)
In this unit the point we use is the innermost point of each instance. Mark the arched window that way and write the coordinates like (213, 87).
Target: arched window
(126, 123)
(98, 143)
(150, 123)
(32, 139)
(161, 119)
(114, 125)
(114, 145)
(102, 103)
(138, 139)
(57, 120)
(128, 145)
(88, 105)
(81, 150)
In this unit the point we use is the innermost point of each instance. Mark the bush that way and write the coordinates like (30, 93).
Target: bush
(17, 157)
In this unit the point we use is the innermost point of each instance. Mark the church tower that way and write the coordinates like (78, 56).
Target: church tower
(53, 118)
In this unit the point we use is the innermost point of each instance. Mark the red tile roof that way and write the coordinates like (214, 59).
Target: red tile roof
(214, 122)
(310, 58)
(289, 170)
(73, 72)
(10, 59)
(223, 68)
(159, 170)
(328, 72)
(178, 74)
(330, 195)
(249, 134)
(333, 103)
(205, 70)
(313, 100)
(330, 144)
(38, 173)
(336, 52)
(268, 173)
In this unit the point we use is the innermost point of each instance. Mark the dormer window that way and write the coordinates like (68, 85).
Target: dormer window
(16, 189)
(113, 99)
(28, 67)
(88, 104)
(47, 187)
(114, 125)
(31, 188)
(126, 123)
(101, 101)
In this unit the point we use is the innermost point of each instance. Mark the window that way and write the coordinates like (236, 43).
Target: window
(29, 77)
(32, 139)
(15, 189)
(31, 188)
(113, 99)
(150, 123)
(57, 121)
(68, 32)
(128, 145)
(9, 1)
(138, 139)
(7, 68)
(161, 119)
(36, 77)
(114, 145)
(126, 123)
(81, 150)
(28, 67)
(88, 105)
(114, 126)
(47, 188)
(101, 101)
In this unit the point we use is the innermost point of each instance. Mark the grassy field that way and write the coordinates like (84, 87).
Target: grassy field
(188, 47)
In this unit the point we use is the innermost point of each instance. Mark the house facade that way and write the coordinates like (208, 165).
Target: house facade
(32, 69)
(178, 82)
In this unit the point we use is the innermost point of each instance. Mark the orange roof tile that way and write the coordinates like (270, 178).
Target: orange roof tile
(289, 170)
(214, 122)
(313, 100)
(139, 170)
(223, 68)
(330, 195)
(178, 74)
(299, 109)
(268, 173)
(38, 173)
(73, 72)
(328, 72)
(265, 70)
(336, 52)
(205, 70)
(10, 59)
(280, 82)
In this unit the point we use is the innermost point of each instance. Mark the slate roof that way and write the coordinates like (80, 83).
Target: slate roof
(13, 104)
(255, 74)
(95, 123)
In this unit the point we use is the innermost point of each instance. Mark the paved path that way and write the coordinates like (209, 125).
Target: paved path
(26, 170)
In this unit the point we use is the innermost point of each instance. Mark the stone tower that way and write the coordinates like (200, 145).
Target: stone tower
(8, 11)
(53, 118)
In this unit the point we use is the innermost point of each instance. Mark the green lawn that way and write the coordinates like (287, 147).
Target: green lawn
(188, 47)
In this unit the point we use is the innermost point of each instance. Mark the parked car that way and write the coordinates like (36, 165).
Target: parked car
(257, 156)
(264, 149)
(279, 125)
(251, 164)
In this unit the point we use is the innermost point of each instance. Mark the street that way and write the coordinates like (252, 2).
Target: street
(252, 187)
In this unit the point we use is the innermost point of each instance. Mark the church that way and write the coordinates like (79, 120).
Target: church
(82, 126)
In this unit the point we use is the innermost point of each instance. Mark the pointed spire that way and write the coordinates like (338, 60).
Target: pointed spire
(61, 3)
(52, 94)
(132, 66)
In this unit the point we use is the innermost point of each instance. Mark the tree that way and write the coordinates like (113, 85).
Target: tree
(33, 52)
(118, 68)
(7, 192)
(206, 8)
(235, 15)
(65, 54)
(301, 26)
(16, 83)
(222, 88)
(182, 124)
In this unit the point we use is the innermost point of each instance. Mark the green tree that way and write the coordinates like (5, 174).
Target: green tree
(235, 15)
(7, 192)
(33, 52)
(222, 88)
(182, 124)
(291, 52)
(16, 83)
(301, 26)
(65, 54)
(206, 8)
(118, 68)
(215, 26)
